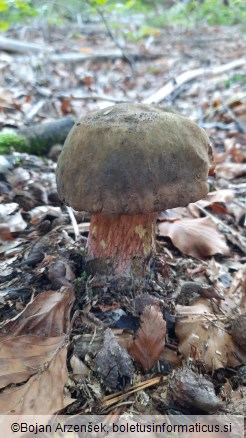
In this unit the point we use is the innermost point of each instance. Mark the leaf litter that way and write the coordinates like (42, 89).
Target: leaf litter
(33, 352)
(204, 243)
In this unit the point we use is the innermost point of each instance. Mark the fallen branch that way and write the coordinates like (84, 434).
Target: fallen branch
(36, 139)
(175, 84)
(99, 56)
(92, 96)
(10, 45)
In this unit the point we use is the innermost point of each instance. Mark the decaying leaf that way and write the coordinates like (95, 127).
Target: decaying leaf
(33, 346)
(113, 363)
(192, 390)
(21, 357)
(47, 315)
(230, 170)
(150, 340)
(43, 393)
(203, 336)
(222, 196)
(196, 237)
(144, 300)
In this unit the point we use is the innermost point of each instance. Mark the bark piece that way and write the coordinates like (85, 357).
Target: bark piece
(193, 391)
(238, 330)
(113, 363)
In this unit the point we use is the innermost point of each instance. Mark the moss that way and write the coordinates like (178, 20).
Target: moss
(10, 140)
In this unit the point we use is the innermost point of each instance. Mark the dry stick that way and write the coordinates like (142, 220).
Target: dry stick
(98, 56)
(11, 45)
(190, 75)
(110, 400)
(92, 96)
(124, 54)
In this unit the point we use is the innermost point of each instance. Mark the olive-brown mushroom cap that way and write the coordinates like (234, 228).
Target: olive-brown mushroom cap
(131, 159)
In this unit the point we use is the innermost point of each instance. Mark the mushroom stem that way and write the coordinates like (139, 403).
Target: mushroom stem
(128, 242)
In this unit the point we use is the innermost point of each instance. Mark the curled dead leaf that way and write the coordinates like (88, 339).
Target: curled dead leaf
(150, 340)
(21, 357)
(43, 393)
(230, 170)
(47, 315)
(196, 237)
(203, 336)
(33, 346)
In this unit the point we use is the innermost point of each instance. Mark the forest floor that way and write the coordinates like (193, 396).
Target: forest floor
(47, 300)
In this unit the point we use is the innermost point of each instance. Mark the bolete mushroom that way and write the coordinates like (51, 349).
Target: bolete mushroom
(125, 164)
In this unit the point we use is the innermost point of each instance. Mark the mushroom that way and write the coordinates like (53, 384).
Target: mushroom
(125, 164)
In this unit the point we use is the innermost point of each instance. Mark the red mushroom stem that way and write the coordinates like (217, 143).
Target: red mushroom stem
(128, 241)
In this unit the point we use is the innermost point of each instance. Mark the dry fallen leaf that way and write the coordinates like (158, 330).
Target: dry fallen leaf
(21, 357)
(150, 340)
(203, 336)
(43, 393)
(196, 237)
(230, 170)
(34, 346)
(47, 315)
(222, 196)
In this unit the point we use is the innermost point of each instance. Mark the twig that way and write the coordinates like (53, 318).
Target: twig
(92, 97)
(110, 400)
(102, 16)
(188, 76)
(11, 45)
(124, 54)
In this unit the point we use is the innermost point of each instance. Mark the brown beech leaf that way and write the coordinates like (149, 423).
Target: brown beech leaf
(150, 340)
(230, 170)
(43, 393)
(47, 315)
(215, 200)
(196, 237)
(203, 336)
(22, 357)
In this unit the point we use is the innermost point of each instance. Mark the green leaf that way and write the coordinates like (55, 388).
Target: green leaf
(4, 25)
(3, 5)
(101, 2)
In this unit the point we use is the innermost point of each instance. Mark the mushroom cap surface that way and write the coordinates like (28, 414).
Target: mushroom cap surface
(132, 159)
